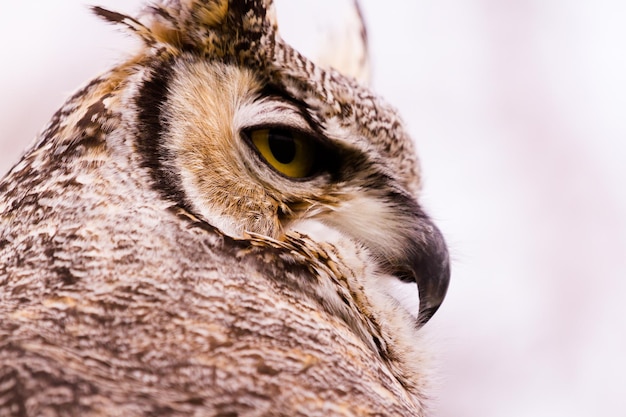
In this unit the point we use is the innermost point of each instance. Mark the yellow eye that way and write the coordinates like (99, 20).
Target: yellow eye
(290, 153)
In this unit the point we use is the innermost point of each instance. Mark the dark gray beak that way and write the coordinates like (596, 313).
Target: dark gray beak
(426, 263)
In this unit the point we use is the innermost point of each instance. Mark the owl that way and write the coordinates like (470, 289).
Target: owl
(217, 226)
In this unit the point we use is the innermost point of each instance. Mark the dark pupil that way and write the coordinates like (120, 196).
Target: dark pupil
(283, 147)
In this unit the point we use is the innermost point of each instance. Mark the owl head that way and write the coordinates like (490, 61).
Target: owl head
(253, 138)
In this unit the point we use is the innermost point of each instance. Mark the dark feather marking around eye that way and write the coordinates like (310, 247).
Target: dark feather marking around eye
(271, 90)
(151, 126)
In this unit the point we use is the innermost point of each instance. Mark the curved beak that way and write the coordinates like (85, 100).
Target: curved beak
(432, 273)
(426, 262)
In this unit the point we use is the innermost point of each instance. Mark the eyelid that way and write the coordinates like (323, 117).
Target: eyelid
(273, 113)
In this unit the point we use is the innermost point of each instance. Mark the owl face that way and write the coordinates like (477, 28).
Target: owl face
(244, 149)
(253, 138)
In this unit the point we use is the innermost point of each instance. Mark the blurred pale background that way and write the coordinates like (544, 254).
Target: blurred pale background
(518, 109)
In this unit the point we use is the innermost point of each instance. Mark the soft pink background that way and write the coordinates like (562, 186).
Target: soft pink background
(518, 109)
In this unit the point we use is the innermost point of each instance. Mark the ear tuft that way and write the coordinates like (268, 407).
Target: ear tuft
(130, 23)
(235, 30)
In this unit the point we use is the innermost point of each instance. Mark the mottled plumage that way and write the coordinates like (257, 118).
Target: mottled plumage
(155, 260)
